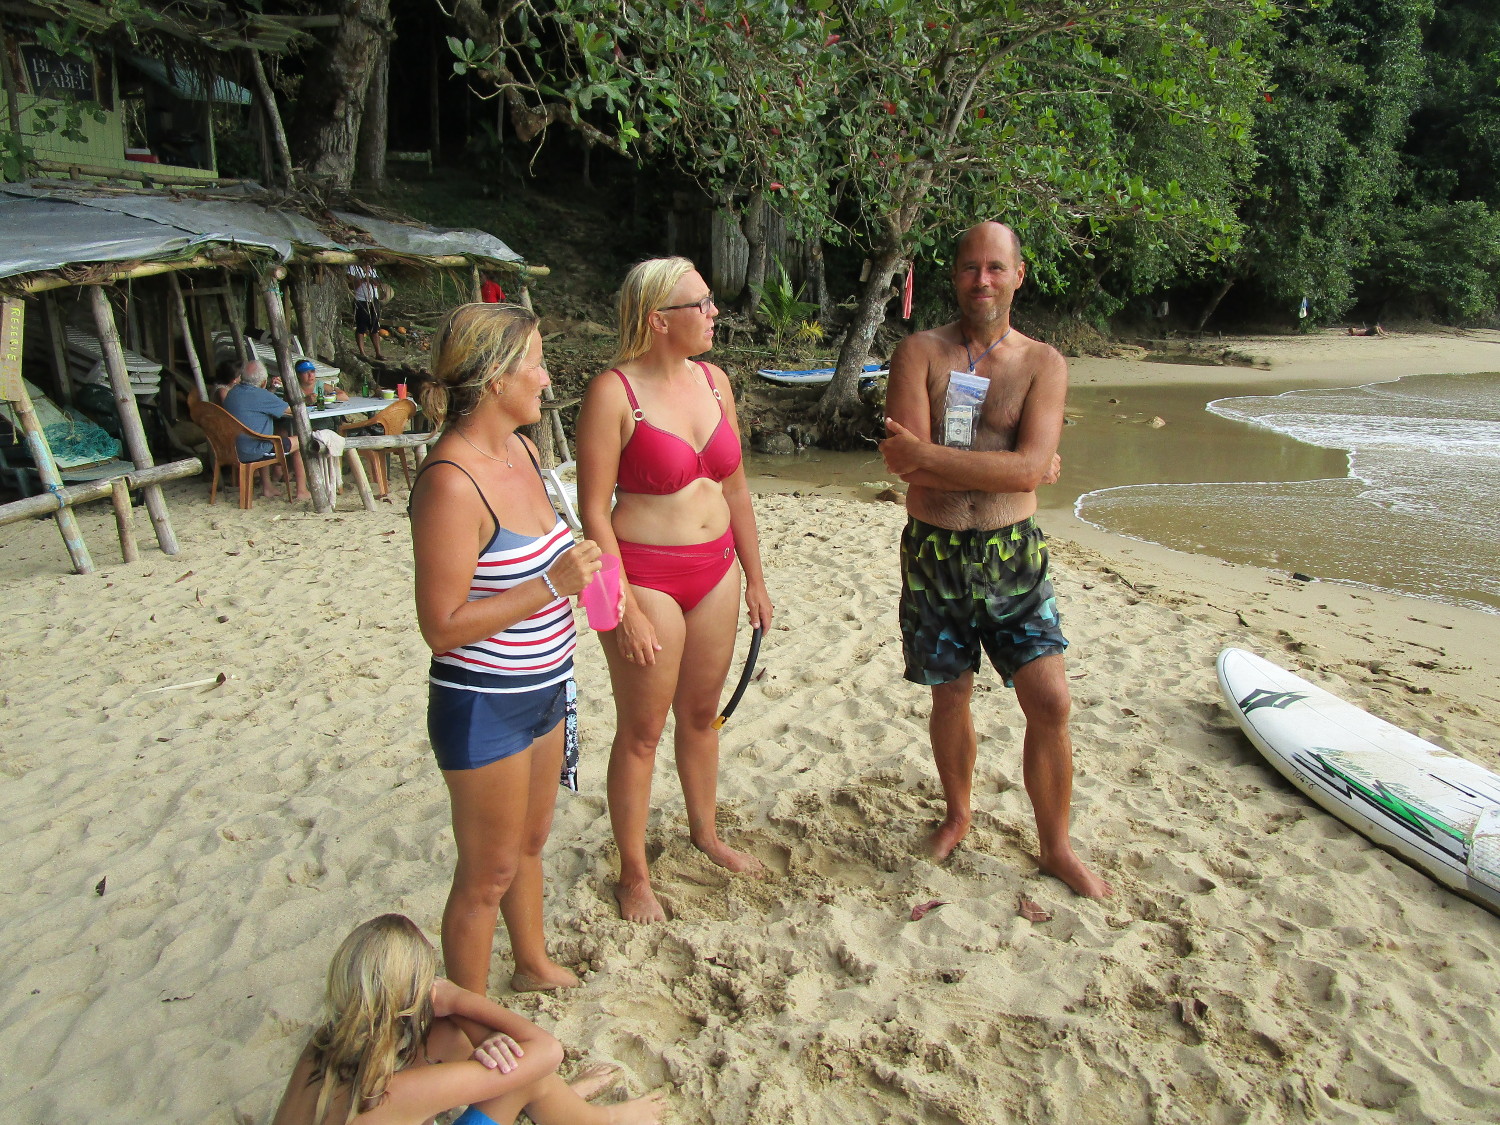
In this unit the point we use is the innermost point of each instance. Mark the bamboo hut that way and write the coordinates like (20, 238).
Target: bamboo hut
(148, 283)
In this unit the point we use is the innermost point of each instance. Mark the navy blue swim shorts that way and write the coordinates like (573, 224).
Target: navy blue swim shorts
(470, 729)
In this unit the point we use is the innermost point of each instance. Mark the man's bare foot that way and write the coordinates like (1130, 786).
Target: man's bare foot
(545, 979)
(1071, 870)
(594, 1080)
(638, 903)
(642, 1111)
(947, 836)
(301, 496)
(729, 859)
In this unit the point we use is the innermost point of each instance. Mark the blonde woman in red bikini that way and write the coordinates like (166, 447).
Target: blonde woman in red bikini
(660, 485)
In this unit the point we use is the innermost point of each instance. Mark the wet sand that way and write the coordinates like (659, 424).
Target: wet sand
(1146, 423)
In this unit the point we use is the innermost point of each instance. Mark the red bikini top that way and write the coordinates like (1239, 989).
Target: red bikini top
(658, 462)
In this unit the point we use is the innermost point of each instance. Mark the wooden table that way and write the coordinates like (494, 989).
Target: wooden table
(352, 405)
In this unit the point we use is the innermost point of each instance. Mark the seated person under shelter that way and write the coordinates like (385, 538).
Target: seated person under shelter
(307, 375)
(224, 379)
(257, 409)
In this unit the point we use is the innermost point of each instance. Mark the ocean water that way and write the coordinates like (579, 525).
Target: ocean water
(1417, 509)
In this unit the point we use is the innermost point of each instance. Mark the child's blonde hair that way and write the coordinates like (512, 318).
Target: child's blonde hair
(475, 348)
(378, 1011)
(645, 289)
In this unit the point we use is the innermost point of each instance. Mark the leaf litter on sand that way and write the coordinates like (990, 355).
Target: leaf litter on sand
(920, 911)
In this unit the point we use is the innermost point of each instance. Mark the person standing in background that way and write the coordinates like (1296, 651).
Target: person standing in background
(365, 281)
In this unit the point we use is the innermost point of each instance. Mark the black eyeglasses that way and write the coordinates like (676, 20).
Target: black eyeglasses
(703, 305)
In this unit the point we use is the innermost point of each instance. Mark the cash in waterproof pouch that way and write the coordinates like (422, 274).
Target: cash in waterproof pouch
(961, 408)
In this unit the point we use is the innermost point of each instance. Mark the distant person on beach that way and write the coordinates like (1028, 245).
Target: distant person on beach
(1362, 330)
(975, 413)
(659, 429)
(258, 409)
(365, 281)
(495, 568)
(399, 1045)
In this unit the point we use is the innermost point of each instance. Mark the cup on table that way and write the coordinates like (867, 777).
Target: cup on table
(601, 597)
(387, 393)
(400, 390)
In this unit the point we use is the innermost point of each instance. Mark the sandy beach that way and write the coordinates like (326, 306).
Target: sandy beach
(182, 860)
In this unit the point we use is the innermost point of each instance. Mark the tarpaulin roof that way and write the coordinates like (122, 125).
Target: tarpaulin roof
(45, 227)
(429, 241)
(187, 82)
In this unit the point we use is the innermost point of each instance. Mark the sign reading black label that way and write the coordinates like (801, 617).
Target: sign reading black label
(56, 76)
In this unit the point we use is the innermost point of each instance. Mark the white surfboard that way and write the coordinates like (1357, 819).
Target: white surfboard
(816, 376)
(1434, 809)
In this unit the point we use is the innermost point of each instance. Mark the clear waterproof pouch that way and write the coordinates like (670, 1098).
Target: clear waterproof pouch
(961, 406)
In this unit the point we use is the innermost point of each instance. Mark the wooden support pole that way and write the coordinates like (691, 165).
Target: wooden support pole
(42, 283)
(318, 476)
(552, 436)
(130, 417)
(120, 494)
(198, 314)
(273, 115)
(356, 465)
(12, 323)
(58, 347)
(236, 321)
(180, 307)
(302, 297)
(474, 282)
(391, 441)
(70, 496)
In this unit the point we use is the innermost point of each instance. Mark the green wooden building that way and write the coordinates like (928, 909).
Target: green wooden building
(85, 95)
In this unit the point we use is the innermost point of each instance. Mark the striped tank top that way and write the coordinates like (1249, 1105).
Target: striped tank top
(534, 653)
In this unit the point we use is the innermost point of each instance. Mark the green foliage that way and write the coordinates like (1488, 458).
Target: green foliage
(15, 156)
(1453, 148)
(1135, 144)
(1346, 76)
(63, 117)
(1446, 255)
(781, 307)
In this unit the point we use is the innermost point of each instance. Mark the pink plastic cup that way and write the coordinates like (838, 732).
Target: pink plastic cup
(601, 597)
(400, 390)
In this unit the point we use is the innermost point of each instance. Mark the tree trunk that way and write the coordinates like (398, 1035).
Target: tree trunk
(817, 280)
(729, 256)
(271, 115)
(755, 234)
(840, 404)
(1213, 303)
(332, 103)
(374, 127)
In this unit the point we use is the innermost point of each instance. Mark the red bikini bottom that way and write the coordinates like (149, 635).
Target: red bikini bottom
(685, 574)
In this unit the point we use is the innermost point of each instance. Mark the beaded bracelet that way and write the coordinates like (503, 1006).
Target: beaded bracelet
(551, 587)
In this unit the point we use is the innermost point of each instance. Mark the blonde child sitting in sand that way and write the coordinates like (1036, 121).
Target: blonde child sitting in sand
(397, 1047)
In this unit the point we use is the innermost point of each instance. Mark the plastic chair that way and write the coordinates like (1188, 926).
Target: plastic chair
(222, 428)
(388, 422)
(563, 493)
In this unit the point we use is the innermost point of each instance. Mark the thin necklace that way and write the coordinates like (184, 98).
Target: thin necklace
(973, 363)
(491, 456)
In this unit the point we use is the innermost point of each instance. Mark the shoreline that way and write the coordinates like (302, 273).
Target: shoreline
(1326, 358)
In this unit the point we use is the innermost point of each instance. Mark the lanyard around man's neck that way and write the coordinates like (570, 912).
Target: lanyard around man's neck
(974, 360)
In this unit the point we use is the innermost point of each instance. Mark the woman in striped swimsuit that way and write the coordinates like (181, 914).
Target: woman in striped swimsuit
(494, 570)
